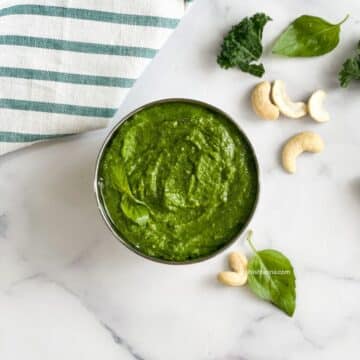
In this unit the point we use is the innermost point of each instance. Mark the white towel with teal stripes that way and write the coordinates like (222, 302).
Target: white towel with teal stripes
(66, 65)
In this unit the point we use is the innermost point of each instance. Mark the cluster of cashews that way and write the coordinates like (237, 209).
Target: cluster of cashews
(271, 100)
(238, 276)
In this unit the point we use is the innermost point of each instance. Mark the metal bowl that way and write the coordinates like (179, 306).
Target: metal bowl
(101, 206)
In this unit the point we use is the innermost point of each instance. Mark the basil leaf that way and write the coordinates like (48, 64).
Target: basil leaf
(271, 277)
(136, 212)
(350, 69)
(242, 45)
(121, 184)
(119, 178)
(308, 36)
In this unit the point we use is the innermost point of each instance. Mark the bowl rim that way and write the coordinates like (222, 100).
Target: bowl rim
(101, 205)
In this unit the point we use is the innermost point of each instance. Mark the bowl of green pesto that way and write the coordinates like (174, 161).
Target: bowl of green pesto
(177, 181)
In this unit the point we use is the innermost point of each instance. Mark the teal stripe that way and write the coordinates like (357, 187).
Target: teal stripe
(94, 15)
(77, 46)
(57, 108)
(13, 137)
(66, 77)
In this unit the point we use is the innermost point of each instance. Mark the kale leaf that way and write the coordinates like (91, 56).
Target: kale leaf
(242, 45)
(350, 69)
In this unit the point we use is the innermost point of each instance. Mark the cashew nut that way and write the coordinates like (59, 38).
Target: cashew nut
(261, 102)
(316, 106)
(284, 103)
(238, 262)
(232, 278)
(305, 141)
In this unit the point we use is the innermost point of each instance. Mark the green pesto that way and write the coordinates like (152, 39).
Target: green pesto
(178, 181)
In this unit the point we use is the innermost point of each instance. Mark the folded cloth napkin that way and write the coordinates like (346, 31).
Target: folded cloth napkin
(66, 65)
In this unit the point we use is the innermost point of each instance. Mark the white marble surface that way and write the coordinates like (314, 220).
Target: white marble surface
(68, 290)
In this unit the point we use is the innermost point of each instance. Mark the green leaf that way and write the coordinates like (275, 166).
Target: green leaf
(308, 36)
(350, 69)
(132, 207)
(271, 277)
(136, 212)
(119, 178)
(242, 45)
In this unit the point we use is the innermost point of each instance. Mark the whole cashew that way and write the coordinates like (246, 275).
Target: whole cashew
(238, 261)
(261, 102)
(316, 106)
(284, 103)
(232, 278)
(305, 141)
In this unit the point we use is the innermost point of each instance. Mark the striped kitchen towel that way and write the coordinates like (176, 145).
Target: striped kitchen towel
(66, 65)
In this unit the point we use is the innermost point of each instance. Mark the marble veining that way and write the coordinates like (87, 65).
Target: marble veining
(68, 290)
(121, 342)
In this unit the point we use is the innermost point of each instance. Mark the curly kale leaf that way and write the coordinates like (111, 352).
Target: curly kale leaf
(350, 69)
(242, 45)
